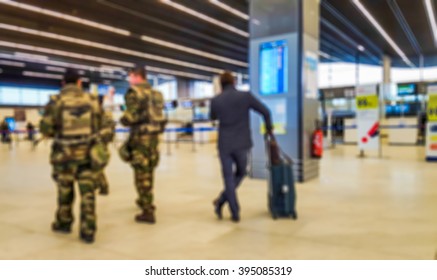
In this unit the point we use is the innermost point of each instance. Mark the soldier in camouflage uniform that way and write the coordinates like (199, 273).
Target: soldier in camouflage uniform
(73, 119)
(144, 116)
(107, 134)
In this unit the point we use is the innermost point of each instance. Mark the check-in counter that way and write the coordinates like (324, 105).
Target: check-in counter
(350, 131)
(204, 132)
(122, 133)
(171, 133)
(402, 131)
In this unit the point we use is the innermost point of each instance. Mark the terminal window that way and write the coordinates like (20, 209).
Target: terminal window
(274, 68)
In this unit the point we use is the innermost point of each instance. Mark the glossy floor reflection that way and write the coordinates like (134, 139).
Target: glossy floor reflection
(359, 209)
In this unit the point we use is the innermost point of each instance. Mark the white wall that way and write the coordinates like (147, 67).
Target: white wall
(169, 90)
(344, 74)
(6, 112)
(201, 89)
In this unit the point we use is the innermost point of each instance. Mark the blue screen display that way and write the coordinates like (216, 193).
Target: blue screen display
(103, 89)
(274, 68)
(404, 90)
(11, 123)
(401, 109)
(187, 104)
(169, 105)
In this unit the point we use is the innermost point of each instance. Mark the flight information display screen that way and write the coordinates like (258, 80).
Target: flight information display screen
(274, 68)
(409, 89)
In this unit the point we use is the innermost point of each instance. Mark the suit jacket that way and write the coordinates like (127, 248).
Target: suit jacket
(232, 109)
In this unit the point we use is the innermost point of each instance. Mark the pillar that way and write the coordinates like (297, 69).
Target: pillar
(284, 45)
(183, 88)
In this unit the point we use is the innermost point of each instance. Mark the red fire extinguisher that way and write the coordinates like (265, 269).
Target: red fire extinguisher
(317, 143)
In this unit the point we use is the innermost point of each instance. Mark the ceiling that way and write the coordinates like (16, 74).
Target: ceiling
(208, 48)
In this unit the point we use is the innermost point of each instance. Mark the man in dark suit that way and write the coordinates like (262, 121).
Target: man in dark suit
(232, 109)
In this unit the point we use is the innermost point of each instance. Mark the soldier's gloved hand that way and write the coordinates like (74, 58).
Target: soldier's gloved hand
(124, 121)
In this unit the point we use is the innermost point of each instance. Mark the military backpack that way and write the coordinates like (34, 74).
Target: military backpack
(152, 117)
(76, 115)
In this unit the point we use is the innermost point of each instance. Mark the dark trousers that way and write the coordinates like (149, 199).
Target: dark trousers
(232, 178)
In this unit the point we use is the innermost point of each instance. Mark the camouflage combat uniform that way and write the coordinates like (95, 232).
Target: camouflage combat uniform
(71, 155)
(107, 134)
(141, 149)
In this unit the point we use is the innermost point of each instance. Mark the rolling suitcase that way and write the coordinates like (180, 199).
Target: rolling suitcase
(282, 192)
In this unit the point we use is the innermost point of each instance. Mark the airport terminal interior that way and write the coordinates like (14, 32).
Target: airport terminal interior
(352, 90)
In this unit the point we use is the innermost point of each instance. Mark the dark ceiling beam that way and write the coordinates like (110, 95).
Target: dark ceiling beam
(328, 42)
(175, 27)
(346, 39)
(340, 33)
(405, 27)
(347, 23)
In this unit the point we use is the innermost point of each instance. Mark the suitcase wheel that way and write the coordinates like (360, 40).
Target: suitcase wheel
(294, 216)
(274, 216)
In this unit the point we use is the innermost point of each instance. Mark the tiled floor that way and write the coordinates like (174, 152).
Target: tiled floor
(359, 209)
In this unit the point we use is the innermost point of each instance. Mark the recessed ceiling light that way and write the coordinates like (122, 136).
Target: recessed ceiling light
(43, 60)
(431, 19)
(383, 33)
(361, 48)
(114, 68)
(56, 69)
(120, 31)
(230, 9)
(206, 18)
(177, 73)
(109, 48)
(47, 62)
(62, 53)
(65, 17)
(325, 55)
(193, 51)
(111, 76)
(165, 77)
(32, 56)
(12, 63)
(42, 75)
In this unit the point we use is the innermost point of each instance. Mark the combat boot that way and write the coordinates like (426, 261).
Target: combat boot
(87, 238)
(56, 227)
(146, 217)
(103, 192)
(139, 203)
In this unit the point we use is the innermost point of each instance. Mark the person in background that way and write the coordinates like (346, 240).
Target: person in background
(4, 127)
(144, 115)
(232, 109)
(30, 131)
(73, 119)
(107, 134)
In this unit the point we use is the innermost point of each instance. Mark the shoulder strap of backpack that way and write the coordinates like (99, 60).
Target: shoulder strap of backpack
(140, 94)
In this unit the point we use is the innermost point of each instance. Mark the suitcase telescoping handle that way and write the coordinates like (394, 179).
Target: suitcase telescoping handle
(270, 138)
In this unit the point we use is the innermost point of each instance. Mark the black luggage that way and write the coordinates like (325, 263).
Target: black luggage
(282, 192)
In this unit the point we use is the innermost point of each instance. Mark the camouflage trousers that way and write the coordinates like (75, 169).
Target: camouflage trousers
(65, 176)
(101, 182)
(144, 160)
